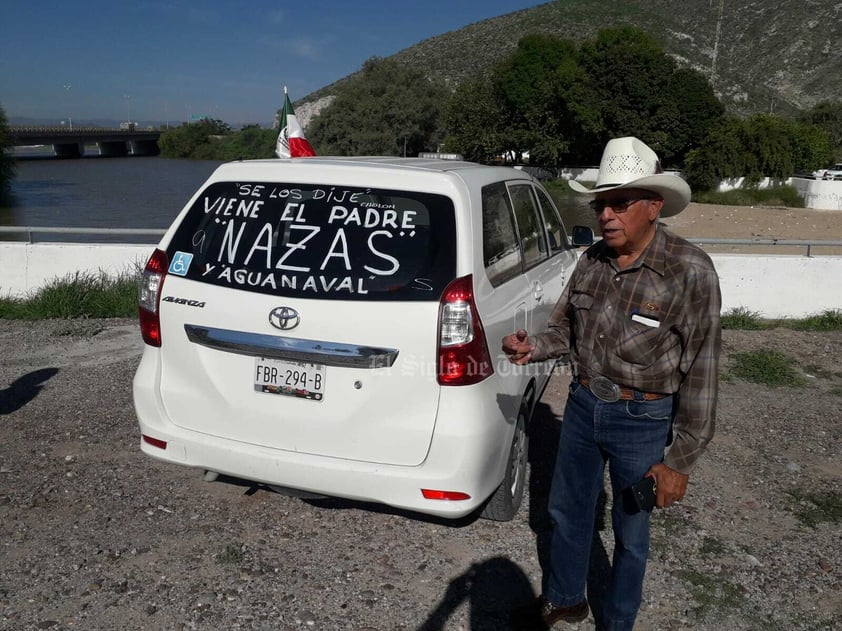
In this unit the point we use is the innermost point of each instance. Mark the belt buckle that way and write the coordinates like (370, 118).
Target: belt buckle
(605, 389)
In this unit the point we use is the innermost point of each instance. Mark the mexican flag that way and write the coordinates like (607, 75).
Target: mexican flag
(291, 140)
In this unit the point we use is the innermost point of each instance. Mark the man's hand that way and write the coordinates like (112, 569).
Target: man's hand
(518, 348)
(671, 484)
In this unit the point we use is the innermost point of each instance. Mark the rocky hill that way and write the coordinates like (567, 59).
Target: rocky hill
(761, 56)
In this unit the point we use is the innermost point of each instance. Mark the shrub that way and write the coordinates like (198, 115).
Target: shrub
(830, 320)
(77, 295)
(773, 196)
(766, 366)
(812, 508)
(742, 318)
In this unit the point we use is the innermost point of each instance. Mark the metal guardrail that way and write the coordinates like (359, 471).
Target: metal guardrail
(17, 132)
(159, 232)
(808, 243)
(113, 232)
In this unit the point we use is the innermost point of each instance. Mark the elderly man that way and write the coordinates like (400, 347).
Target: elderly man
(640, 322)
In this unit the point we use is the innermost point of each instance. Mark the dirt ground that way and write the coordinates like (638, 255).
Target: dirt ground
(95, 535)
(756, 222)
(714, 221)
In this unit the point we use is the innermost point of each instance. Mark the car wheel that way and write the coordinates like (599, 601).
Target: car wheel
(505, 502)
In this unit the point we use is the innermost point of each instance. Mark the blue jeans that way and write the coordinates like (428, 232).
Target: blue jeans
(631, 436)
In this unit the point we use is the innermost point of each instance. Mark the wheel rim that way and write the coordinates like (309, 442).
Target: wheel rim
(518, 449)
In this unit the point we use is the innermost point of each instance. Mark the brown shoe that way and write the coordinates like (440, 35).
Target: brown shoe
(542, 614)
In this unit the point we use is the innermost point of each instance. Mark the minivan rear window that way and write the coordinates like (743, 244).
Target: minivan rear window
(315, 241)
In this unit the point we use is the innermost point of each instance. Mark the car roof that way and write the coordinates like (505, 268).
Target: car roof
(393, 163)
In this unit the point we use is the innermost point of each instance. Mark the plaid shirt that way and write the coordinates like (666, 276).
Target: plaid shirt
(653, 326)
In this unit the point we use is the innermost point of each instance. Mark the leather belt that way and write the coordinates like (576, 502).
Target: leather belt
(624, 394)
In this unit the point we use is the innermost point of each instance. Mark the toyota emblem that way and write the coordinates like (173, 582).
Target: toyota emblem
(284, 318)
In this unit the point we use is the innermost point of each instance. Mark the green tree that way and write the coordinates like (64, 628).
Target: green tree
(562, 104)
(768, 150)
(250, 142)
(755, 148)
(194, 140)
(641, 92)
(827, 116)
(812, 148)
(473, 117)
(386, 109)
(627, 69)
(7, 163)
(720, 156)
(541, 91)
(689, 109)
(556, 102)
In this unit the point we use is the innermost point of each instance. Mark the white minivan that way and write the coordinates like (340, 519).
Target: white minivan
(333, 326)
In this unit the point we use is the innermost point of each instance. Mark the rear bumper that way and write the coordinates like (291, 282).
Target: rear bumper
(468, 453)
(395, 486)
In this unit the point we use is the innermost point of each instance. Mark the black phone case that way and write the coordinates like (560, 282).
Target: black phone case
(641, 496)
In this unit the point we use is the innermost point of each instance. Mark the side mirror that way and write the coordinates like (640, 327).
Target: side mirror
(582, 236)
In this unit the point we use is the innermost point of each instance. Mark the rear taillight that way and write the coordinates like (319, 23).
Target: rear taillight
(149, 297)
(463, 356)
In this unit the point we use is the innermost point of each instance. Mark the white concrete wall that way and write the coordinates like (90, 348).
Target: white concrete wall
(818, 194)
(821, 194)
(25, 267)
(775, 286)
(730, 184)
(779, 286)
(580, 174)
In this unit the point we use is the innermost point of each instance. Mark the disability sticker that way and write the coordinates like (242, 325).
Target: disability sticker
(181, 263)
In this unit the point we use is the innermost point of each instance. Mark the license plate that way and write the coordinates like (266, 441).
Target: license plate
(293, 379)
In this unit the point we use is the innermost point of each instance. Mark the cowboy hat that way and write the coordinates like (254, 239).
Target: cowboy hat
(629, 163)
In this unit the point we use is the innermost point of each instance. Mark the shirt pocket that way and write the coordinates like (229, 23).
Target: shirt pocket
(581, 304)
(643, 345)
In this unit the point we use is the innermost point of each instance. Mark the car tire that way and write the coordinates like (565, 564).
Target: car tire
(505, 502)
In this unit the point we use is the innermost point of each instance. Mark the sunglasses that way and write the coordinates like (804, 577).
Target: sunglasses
(619, 205)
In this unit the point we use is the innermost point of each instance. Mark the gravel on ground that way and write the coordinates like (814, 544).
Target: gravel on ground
(759, 223)
(97, 536)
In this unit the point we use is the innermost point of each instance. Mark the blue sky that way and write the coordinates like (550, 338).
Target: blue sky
(170, 60)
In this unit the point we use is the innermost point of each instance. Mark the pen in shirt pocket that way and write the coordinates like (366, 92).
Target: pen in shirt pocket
(653, 322)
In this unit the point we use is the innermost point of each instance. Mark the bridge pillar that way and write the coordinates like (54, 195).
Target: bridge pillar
(69, 150)
(144, 148)
(116, 149)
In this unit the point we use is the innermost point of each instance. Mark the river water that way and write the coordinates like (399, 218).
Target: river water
(133, 192)
(130, 192)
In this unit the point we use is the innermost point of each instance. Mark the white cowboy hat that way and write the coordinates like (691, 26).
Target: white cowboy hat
(629, 163)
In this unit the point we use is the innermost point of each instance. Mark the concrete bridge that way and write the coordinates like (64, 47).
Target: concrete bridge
(70, 143)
